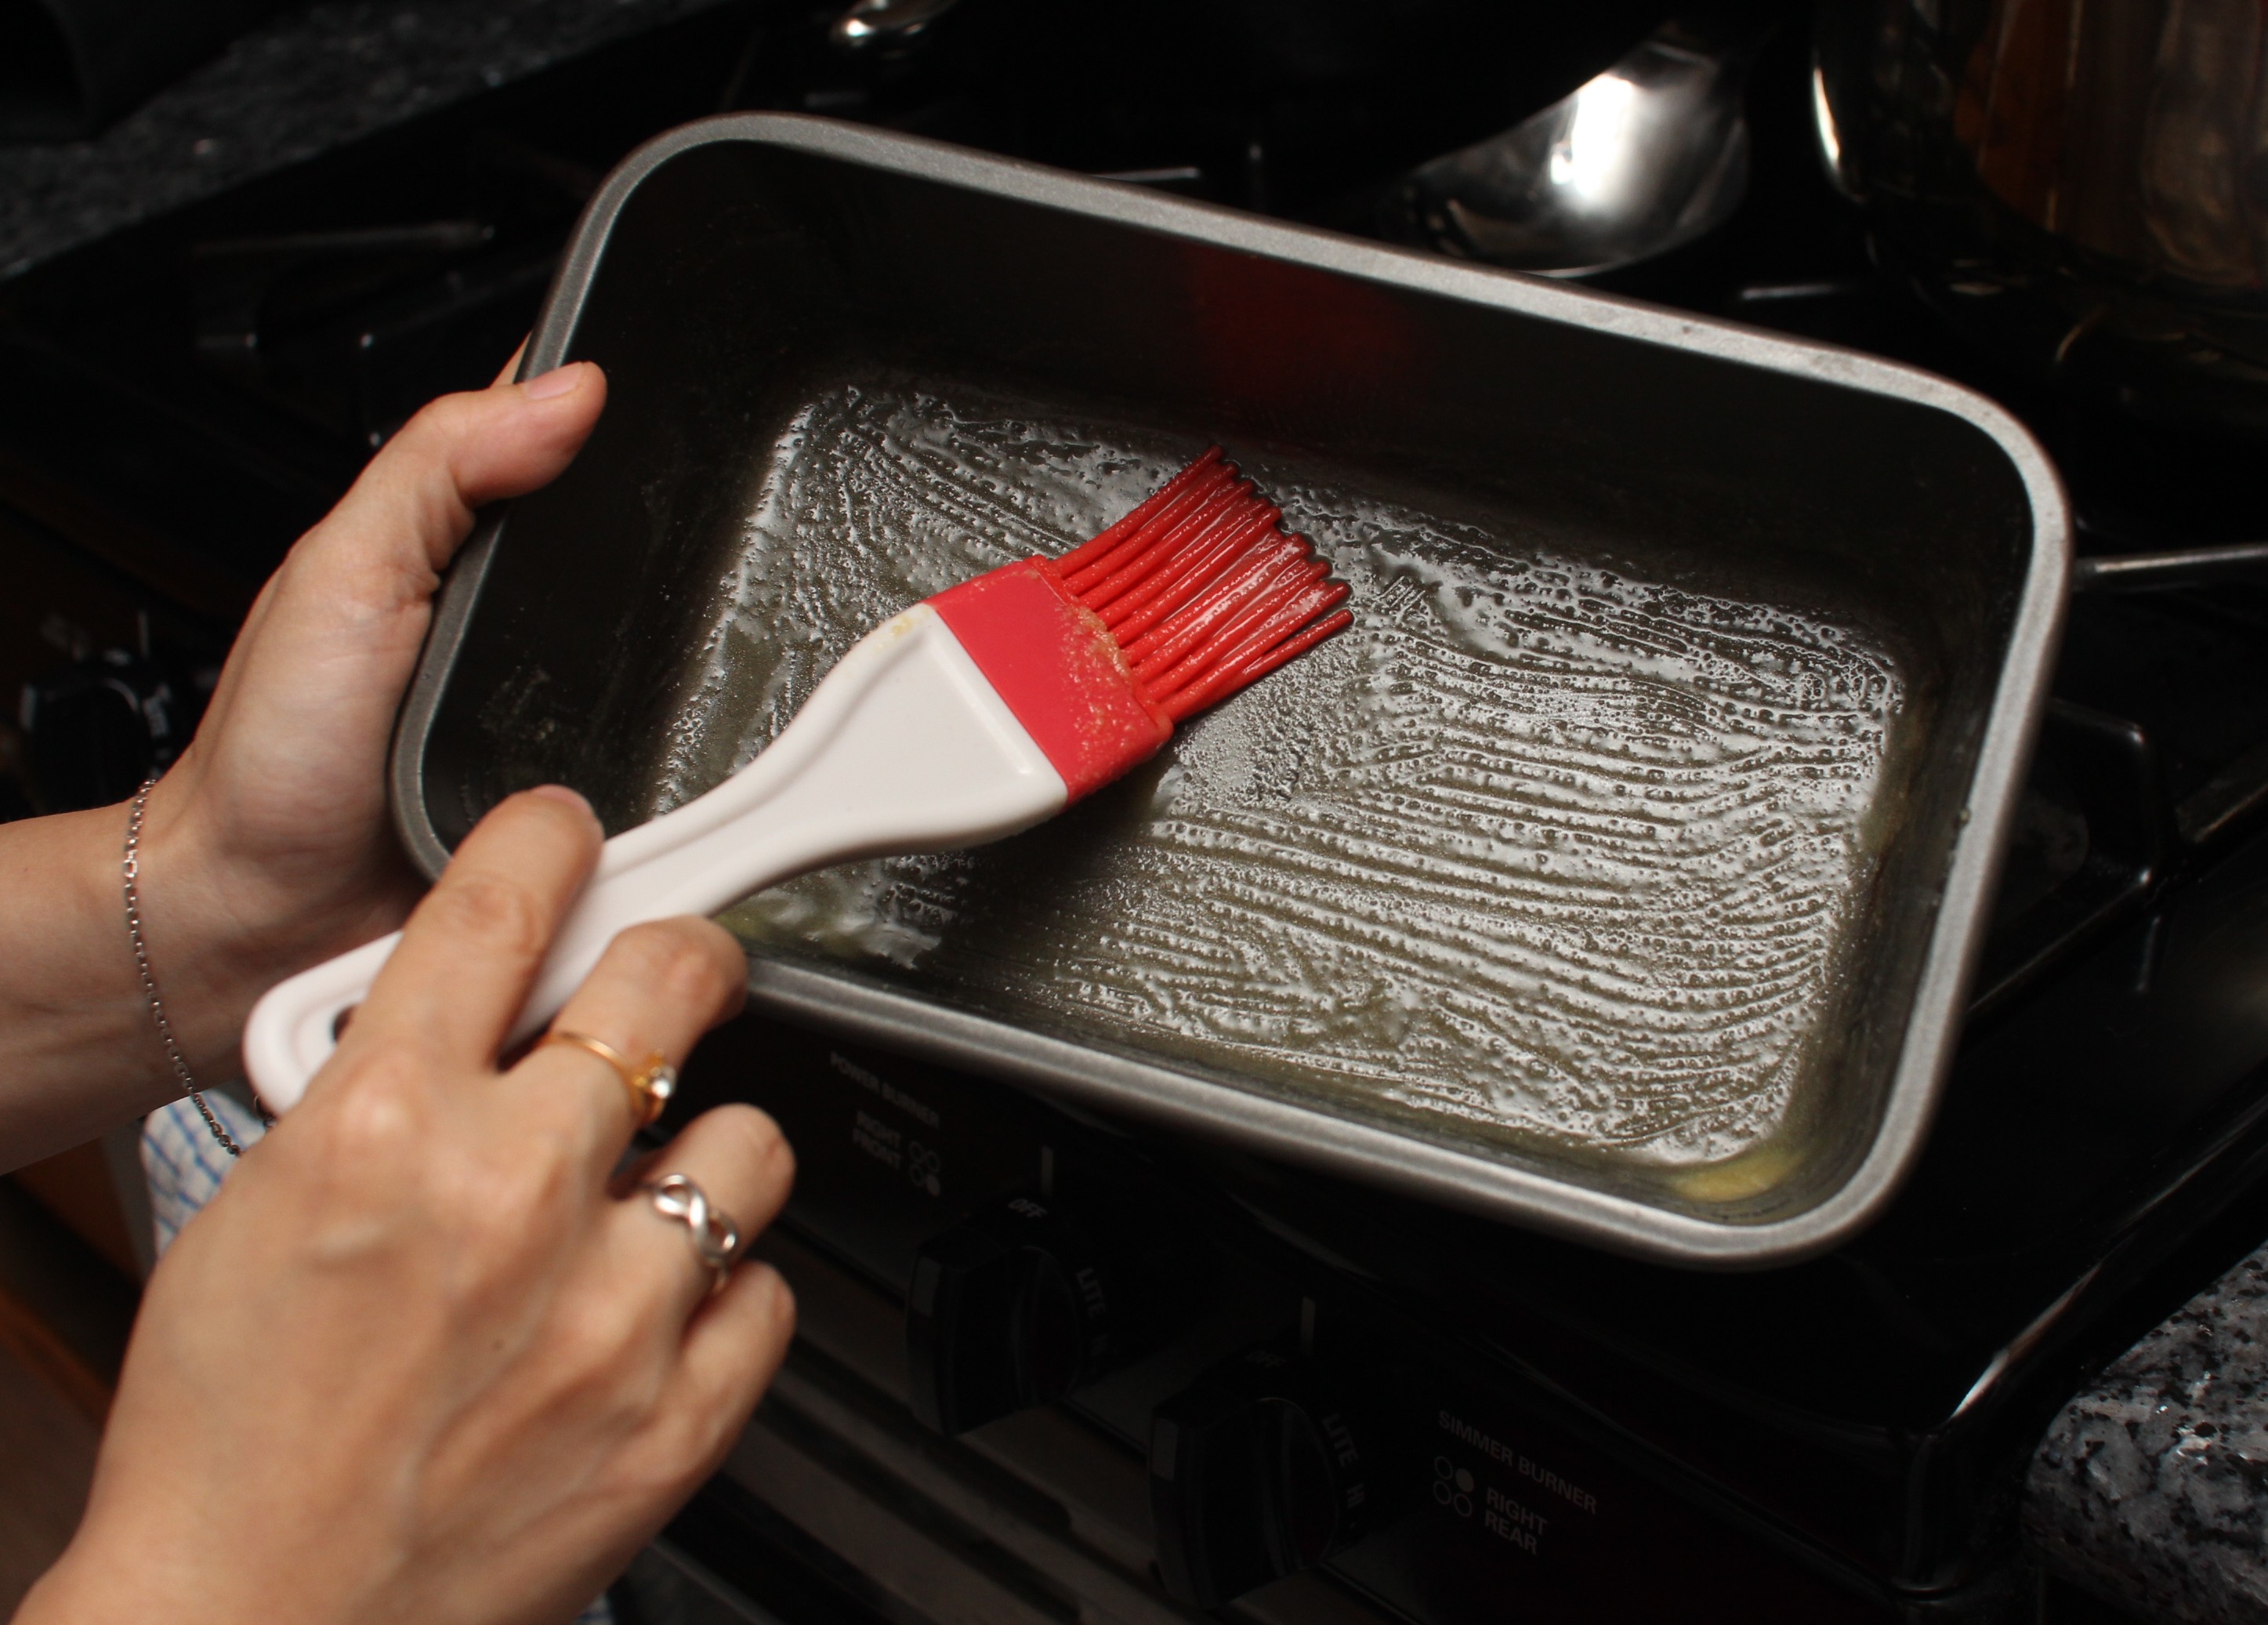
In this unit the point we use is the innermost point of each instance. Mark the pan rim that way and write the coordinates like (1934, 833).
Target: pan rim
(1174, 1098)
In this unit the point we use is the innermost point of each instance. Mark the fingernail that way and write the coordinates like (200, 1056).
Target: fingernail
(559, 380)
(561, 793)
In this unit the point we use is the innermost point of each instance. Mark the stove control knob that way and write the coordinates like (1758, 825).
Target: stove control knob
(1256, 1472)
(1012, 1308)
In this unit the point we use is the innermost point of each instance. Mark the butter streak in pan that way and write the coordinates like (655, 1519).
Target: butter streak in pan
(1540, 852)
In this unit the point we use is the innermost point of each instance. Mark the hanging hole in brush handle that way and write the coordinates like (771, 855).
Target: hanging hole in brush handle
(297, 1024)
(296, 1028)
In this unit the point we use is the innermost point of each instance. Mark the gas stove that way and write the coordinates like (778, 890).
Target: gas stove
(1054, 1367)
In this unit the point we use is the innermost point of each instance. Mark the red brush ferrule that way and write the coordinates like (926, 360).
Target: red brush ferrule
(1059, 670)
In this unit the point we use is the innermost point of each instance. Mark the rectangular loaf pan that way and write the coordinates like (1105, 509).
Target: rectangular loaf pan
(733, 272)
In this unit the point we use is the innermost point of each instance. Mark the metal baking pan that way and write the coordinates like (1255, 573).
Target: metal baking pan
(1680, 518)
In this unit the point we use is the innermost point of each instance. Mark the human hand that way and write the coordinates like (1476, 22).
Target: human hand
(416, 1362)
(267, 847)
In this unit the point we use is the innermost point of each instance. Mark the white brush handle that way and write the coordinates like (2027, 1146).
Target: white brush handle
(905, 747)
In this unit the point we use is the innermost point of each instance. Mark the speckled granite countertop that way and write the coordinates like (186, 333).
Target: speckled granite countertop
(309, 79)
(2151, 1489)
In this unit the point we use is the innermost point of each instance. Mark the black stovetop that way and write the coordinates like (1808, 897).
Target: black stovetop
(182, 399)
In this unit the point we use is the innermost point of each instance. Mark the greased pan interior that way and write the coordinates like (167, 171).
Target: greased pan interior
(961, 354)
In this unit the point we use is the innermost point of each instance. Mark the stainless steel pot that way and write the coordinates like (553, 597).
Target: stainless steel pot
(2083, 183)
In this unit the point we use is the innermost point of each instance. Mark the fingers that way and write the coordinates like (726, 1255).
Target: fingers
(413, 507)
(472, 948)
(655, 991)
(732, 1352)
(464, 450)
(742, 1166)
(336, 631)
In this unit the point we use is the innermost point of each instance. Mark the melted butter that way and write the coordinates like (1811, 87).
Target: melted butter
(1538, 849)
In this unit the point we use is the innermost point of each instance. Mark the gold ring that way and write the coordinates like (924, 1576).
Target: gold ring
(650, 1085)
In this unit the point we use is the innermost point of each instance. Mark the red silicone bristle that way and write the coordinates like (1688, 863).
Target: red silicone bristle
(1237, 660)
(1232, 679)
(1212, 614)
(1193, 541)
(1163, 541)
(1260, 597)
(1204, 589)
(1214, 485)
(1078, 558)
(1189, 573)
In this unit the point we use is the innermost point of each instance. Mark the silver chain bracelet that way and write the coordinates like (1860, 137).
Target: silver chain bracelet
(129, 871)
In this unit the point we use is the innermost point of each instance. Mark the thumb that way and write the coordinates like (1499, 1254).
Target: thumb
(413, 507)
(324, 655)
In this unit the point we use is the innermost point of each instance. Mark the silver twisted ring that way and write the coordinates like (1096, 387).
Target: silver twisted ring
(715, 1237)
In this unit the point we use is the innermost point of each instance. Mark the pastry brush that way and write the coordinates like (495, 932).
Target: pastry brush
(977, 712)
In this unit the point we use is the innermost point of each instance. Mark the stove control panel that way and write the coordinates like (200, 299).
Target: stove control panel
(1013, 1307)
(1159, 1396)
(1257, 1472)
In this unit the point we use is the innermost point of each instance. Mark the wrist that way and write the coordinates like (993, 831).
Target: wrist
(70, 1594)
(223, 924)
(77, 1049)
(114, 1582)
(90, 1586)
